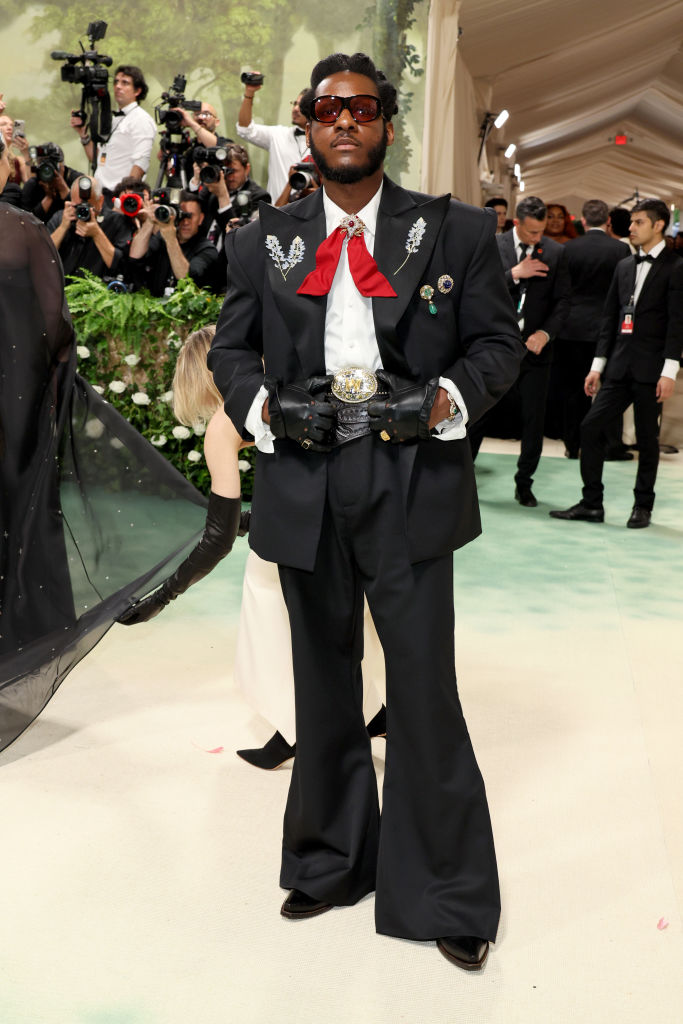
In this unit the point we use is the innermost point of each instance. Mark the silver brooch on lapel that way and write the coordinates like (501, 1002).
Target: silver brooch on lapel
(413, 240)
(285, 263)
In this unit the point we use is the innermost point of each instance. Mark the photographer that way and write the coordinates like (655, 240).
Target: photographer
(47, 190)
(128, 150)
(286, 145)
(167, 250)
(87, 237)
(233, 195)
(19, 167)
(304, 178)
(204, 124)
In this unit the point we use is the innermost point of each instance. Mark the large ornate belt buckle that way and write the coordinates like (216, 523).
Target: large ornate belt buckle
(354, 384)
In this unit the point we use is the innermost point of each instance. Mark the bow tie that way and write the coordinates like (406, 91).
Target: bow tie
(299, 131)
(644, 259)
(117, 113)
(369, 280)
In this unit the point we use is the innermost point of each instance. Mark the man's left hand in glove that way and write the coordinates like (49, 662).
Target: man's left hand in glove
(406, 413)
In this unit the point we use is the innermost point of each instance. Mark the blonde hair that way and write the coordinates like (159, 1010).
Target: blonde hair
(195, 396)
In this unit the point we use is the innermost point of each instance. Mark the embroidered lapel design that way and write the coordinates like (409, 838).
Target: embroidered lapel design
(285, 263)
(413, 241)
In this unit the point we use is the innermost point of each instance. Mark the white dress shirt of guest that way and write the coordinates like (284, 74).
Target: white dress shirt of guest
(286, 144)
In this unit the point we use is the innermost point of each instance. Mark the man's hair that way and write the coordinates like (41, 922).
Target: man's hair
(137, 76)
(191, 197)
(595, 213)
(656, 210)
(359, 64)
(239, 153)
(620, 220)
(131, 184)
(496, 201)
(531, 206)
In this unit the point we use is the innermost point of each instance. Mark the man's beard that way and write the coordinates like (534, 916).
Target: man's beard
(351, 175)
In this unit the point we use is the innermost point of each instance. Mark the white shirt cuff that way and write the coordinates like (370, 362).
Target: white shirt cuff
(671, 368)
(254, 423)
(598, 365)
(452, 430)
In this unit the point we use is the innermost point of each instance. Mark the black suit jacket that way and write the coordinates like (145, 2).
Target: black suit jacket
(657, 323)
(473, 340)
(546, 306)
(591, 260)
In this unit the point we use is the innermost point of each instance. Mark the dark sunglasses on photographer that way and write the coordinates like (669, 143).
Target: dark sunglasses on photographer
(363, 109)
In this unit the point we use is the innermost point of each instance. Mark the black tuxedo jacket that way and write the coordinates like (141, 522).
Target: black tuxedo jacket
(657, 322)
(591, 260)
(472, 339)
(546, 306)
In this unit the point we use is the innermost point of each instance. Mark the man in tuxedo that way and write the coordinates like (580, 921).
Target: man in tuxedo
(538, 283)
(640, 345)
(591, 260)
(383, 322)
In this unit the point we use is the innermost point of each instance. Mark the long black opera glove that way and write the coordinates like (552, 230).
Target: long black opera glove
(405, 413)
(295, 412)
(220, 530)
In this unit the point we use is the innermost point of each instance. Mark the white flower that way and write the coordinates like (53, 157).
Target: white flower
(94, 428)
(132, 359)
(181, 433)
(194, 455)
(115, 443)
(141, 398)
(167, 396)
(159, 440)
(243, 465)
(199, 429)
(98, 388)
(118, 387)
(82, 351)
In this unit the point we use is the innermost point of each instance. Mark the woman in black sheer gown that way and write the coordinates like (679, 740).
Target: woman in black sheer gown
(89, 511)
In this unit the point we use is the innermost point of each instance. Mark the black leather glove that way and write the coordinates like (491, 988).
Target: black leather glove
(405, 413)
(295, 412)
(220, 530)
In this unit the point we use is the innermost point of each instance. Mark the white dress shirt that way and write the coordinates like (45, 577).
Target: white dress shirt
(285, 149)
(671, 366)
(130, 144)
(350, 338)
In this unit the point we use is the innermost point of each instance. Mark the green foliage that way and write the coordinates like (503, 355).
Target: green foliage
(128, 347)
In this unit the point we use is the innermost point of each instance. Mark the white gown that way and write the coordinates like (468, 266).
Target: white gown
(263, 659)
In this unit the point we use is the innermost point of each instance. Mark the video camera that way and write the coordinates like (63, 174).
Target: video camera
(83, 208)
(89, 69)
(175, 97)
(169, 205)
(45, 161)
(305, 175)
(214, 158)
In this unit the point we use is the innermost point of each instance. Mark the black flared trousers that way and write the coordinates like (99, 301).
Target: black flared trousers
(431, 857)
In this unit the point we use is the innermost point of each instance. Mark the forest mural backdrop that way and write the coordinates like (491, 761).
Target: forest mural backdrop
(211, 44)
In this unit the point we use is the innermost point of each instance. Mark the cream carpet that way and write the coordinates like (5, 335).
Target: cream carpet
(141, 855)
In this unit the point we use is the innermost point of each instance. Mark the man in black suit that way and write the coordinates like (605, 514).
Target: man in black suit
(640, 345)
(538, 284)
(591, 260)
(362, 491)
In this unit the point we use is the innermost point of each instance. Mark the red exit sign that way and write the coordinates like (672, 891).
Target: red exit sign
(620, 140)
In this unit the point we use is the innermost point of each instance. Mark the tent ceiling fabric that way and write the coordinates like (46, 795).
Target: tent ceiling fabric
(574, 74)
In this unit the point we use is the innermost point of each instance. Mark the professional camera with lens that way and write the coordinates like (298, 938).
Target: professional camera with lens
(214, 158)
(168, 208)
(175, 97)
(251, 78)
(130, 203)
(243, 207)
(305, 175)
(83, 207)
(45, 161)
